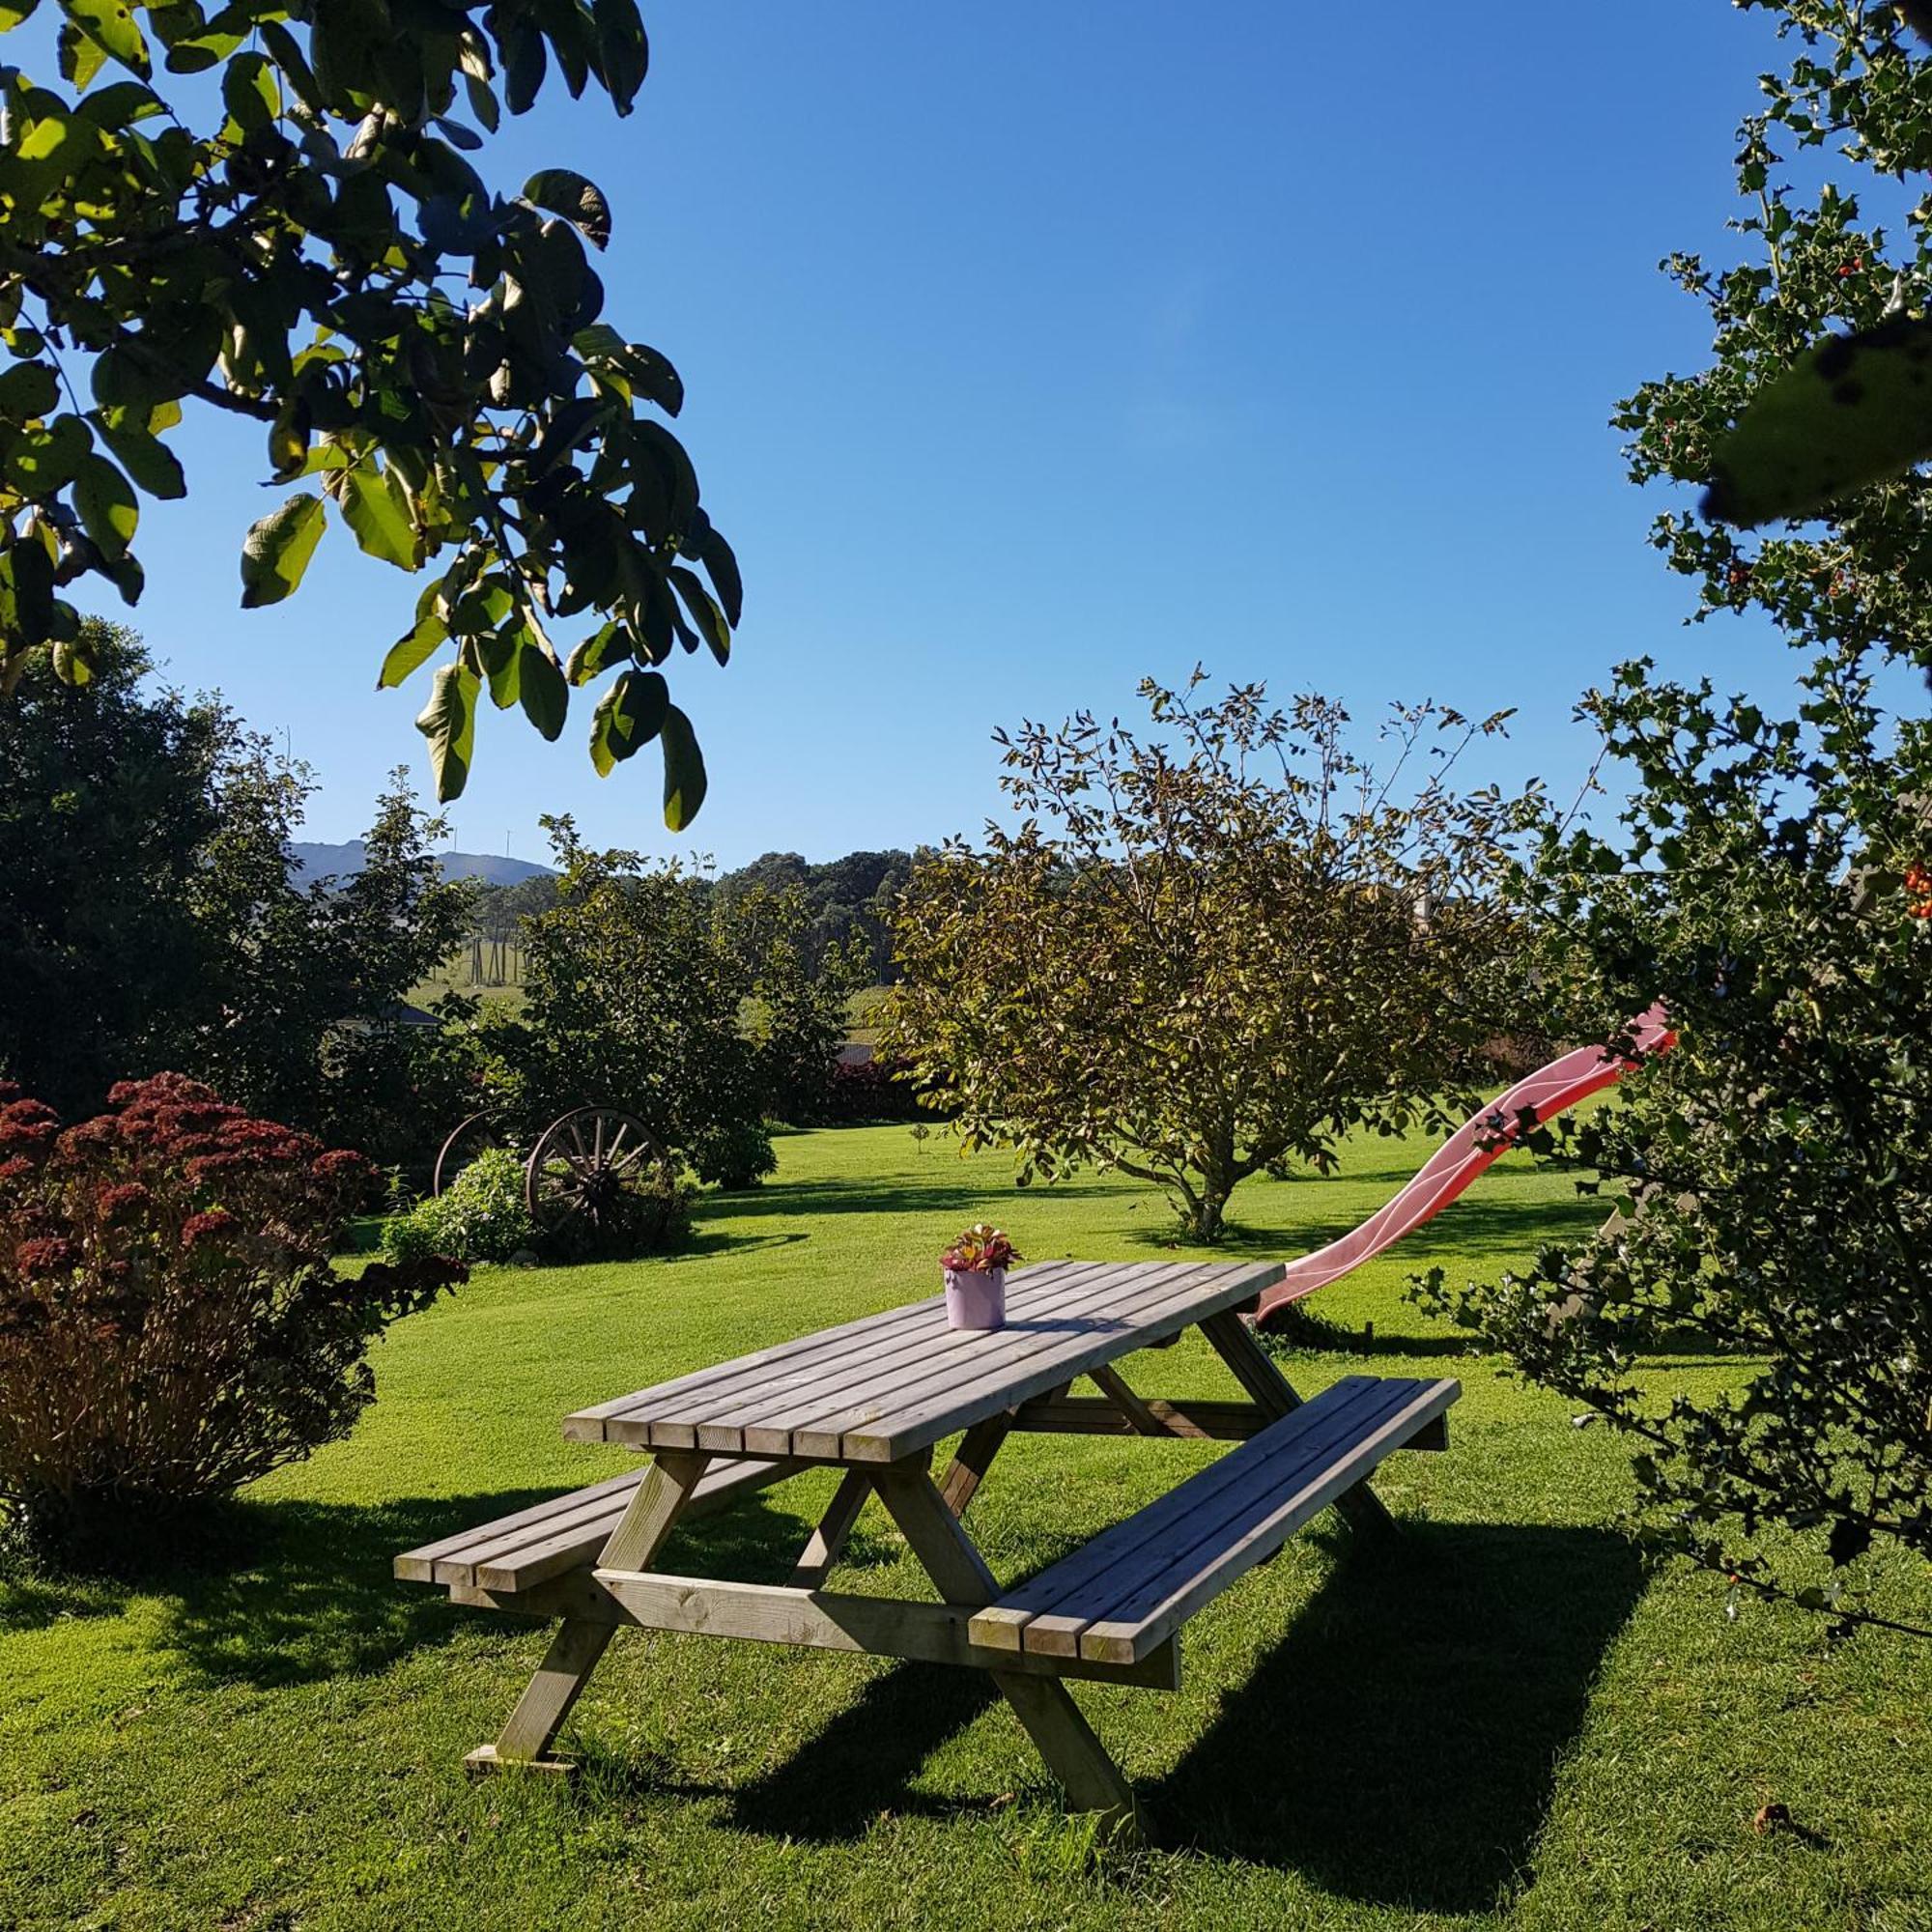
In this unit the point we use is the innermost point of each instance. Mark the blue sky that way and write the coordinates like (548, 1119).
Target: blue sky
(1034, 349)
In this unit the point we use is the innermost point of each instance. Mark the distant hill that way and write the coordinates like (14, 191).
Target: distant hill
(319, 860)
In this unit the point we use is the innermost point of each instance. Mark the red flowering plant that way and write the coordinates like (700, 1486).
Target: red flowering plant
(171, 1324)
(981, 1248)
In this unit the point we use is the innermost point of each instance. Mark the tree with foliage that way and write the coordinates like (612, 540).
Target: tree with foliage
(301, 960)
(1211, 950)
(107, 805)
(633, 998)
(168, 923)
(293, 244)
(800, 1004)
(1770, 881)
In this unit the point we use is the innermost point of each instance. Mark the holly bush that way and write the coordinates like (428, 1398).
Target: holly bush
(1769, 879)
(171, 1325)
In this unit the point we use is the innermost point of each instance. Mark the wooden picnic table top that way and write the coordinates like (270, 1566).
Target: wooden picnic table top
(894, 1383)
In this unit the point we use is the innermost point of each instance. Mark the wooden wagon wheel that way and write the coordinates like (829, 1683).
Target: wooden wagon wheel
(582, 1163)
(473, 1134)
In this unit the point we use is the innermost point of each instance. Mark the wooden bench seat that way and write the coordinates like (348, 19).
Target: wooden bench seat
(1120, 1597)
(568, 1532)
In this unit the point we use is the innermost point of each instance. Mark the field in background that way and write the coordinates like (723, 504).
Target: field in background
(1499, 1722)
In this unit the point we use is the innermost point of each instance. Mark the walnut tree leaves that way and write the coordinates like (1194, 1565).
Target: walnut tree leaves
(427, 357)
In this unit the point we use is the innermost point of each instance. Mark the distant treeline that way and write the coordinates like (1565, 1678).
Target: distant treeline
(848, 899)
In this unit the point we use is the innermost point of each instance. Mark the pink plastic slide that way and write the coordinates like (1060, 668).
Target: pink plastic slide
(1459, 1159)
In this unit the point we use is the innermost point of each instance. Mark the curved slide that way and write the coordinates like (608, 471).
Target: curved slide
(1547, 1092)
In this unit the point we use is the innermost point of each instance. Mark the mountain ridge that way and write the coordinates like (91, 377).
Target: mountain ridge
(317, 859)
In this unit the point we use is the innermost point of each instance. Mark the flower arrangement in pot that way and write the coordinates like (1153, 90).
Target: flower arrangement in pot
(975, 1277)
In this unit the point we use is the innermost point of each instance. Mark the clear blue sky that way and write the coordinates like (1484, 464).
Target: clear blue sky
(1032, 349)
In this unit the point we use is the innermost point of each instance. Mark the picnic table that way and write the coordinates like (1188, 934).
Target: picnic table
(875, 1398)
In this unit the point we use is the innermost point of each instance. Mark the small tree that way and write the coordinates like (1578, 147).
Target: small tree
(1211, 952)
(799, 1011)
(633, 998)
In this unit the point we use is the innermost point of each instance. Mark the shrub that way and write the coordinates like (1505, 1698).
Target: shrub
(170, 1324)
(649, 1216)
(734, 1155)
(870, 1089)
(480, 1218)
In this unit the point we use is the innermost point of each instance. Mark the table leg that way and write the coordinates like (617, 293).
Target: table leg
(579, 1645)
(821, 1553)
(1252, 1367)
(1062, 1737)
(975, 1457)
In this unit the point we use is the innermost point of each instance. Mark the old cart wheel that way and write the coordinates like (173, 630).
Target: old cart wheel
(471, 1138)
(582, 1166)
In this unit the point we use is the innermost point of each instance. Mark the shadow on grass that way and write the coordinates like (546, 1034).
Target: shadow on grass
(1400, 1745)
(892, 1194)
(311, 1593)
(1397, 1747)
(1489, 1231)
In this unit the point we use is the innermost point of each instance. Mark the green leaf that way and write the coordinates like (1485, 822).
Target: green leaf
(42, 461)
(276, 550)
(544, 695)
(80, 56)
(597, 653)
(627, 715)
(449, 722)
(111, 24)
(28, 391)
(704, 611)
(373, 507)
(411, 650)
(73, 660)
(684, 771)
(622, 48)
(105, 500)
(579, 202)
(249, 92)
(15, 12)
(149, 461)
(718, 558)
(524, 64)
(1850, 411)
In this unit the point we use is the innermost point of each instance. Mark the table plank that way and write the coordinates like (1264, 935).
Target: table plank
(690, 1396)
(1131, 1298)
(892, 1383)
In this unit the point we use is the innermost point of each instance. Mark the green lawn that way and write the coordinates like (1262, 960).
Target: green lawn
(1499, 1721)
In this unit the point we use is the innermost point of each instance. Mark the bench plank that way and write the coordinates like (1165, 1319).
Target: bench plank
(516, 1552)
(1132, 1587)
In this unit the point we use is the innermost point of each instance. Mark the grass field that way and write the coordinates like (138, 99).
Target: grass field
(1499, 1721)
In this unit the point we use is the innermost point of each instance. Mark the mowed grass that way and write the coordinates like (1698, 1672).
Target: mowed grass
(1499, 1720)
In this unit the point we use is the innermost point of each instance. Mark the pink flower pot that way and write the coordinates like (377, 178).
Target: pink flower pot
(976, 1297)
